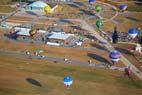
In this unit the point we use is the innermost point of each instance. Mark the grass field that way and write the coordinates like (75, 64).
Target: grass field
(6, 9)
(14, 73)
(131, 6)
(124, 22)
(53, 51)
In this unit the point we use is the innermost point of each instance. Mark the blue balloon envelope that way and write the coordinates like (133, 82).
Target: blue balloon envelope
(92, 1)
(123, 7)
(115, 55)
(133, 32)
(68, 80)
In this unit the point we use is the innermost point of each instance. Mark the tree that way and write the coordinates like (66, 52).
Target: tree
(115, 36)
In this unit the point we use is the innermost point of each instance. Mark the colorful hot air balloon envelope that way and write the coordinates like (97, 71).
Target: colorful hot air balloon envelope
(127, 71)
(91, 1)
(114, 56)
(47, 9)
(133, 32)
(123, 7)
(98, 8)
(68, 81)
(99, 23)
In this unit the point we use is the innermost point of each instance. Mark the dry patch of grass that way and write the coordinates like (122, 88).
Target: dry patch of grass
(71, 53)
(50, 75)
(124, 22)
(6, 9)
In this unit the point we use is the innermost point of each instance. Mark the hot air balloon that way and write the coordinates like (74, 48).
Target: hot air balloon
(115, 36)
(133, 32)
(47, 9)
(127, 71)
(123, 7)
(99, 23)
(114, 56)
(98, 8)
(68, 81)
(92, 1)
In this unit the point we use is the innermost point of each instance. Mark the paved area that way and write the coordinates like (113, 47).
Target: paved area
(58, 60)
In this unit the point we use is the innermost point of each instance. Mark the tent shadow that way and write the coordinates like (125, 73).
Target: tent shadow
(33, 82)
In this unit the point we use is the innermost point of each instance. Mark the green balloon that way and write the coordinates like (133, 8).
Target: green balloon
(99, 23)
(98, 8)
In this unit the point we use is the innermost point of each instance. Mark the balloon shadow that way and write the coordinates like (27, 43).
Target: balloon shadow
(87, 12)
(33, 82)
(125, 51)
(99, 58)
(134, 19)
(65, 21)
(98, 46)
(77, 27)
(74, 6)
(79, 3)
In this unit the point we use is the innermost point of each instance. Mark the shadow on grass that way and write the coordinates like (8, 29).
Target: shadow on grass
(134, 19)
(74, 6)
(87, 12)
(79, 4)
(125, 51)
(65, 21)
(98, 58)
(98, 46)
(33, 82)
(77, 27)
(139, 2)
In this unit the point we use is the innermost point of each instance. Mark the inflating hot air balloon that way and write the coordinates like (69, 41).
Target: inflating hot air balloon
(99, 23)
(98, 8)
(123, 7)
(47, 9)
(114, 56)
(127, 71)
(133, 32)
(92, 1)
(68, 81)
